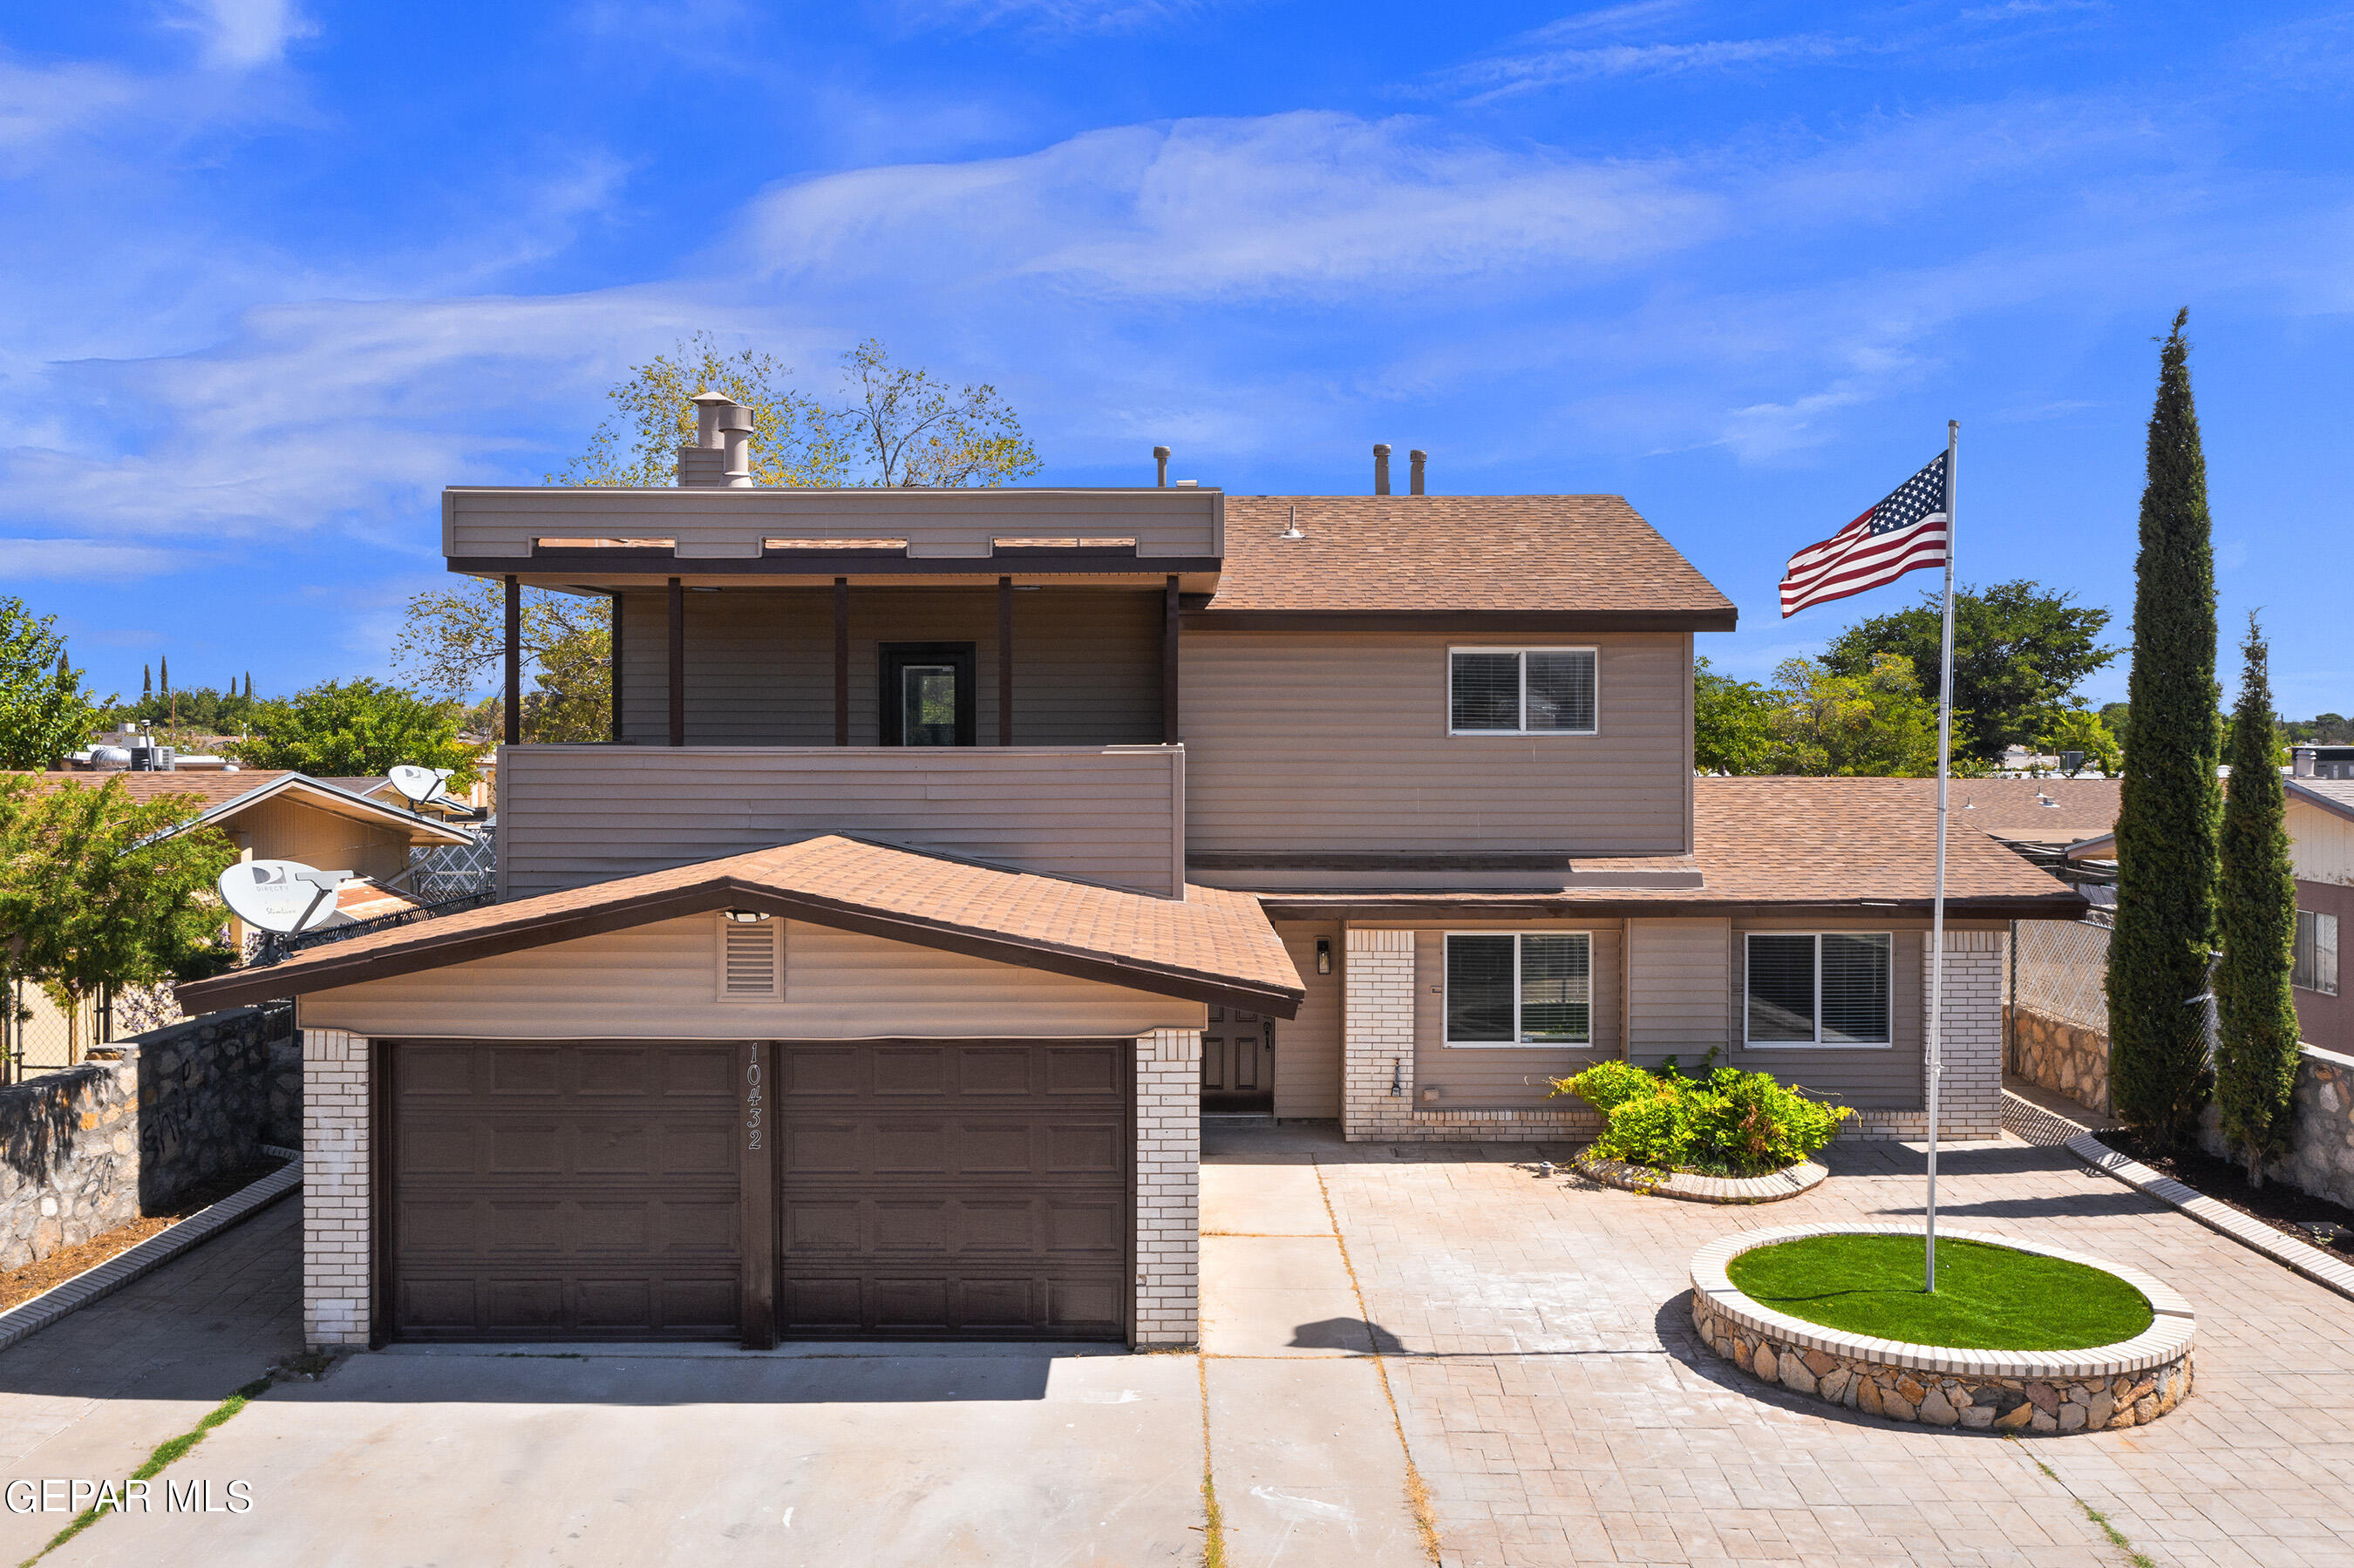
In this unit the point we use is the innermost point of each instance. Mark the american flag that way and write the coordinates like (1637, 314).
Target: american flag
(1906, 531)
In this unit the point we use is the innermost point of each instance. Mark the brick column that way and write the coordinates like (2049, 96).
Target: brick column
(1168, 1188)
(1970, 1102)
(1377, 1034)
(337, 1240)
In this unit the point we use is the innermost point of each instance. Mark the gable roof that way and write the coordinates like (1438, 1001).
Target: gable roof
(2332, 795)
(1591, 556)
(221, 796)
(1213, 946)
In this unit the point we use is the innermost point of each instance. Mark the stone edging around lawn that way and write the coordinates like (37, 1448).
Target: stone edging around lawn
(2036, 1392)
(2323, 1269)
(1772, 1187)
(104, 1279)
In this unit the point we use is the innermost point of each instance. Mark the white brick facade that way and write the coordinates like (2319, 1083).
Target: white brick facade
(1377, 1094)
(1970, 1100)
(336, 1250)
(1168, 1188)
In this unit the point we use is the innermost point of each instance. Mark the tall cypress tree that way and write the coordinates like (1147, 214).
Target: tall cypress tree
(146, 680)
(2170, 815)
(163, 674)
(2255, 1058)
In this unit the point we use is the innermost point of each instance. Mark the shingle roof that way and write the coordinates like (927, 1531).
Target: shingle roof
(1431, 553)
(2014, 808)
(1212, 945)
(215, 792)
(1762, 842)
(2330, 794)
(211, 788)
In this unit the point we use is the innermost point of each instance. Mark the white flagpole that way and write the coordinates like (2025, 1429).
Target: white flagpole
(1937, 906)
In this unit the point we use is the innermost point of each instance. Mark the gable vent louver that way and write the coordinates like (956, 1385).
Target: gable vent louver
(751, 967)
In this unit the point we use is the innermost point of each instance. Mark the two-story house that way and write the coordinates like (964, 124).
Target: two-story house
(954, 850)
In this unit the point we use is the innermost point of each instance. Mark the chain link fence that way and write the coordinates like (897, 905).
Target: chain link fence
(2062, 971)
(38, 1036)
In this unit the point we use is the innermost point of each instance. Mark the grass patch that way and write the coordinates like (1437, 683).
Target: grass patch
(1988, 1297)
(165, 1453)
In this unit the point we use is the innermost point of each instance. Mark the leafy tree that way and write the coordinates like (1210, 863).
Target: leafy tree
(356, 728)
(901, 425)
(1877, 724)
(915, 429)
(1733, 725)
(44, 712)
(2256, 1054)
(179, 716)
(454, 637)
(99, 891)
(2170, 810)
(2077, 730)
(2114, 715)
(2019, 654)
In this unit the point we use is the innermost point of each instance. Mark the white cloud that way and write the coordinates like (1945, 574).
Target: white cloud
(243, 35)
(1047, 15)
(98, 559)
(1543, 64)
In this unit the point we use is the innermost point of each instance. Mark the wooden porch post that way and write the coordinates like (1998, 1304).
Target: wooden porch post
(1005, 661)
(841, 660)
(614, 674)
(677, 662)
(1168, 662)
(514, 661)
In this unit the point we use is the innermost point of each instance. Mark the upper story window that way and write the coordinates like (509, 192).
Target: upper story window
(1521, 690)
(2316, 953)
(1826, 988)
(1531, 989)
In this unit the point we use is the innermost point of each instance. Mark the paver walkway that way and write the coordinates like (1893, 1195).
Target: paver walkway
(1556, 1404)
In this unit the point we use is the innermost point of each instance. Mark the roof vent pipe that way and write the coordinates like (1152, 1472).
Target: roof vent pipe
(1381, 468)
(1415, 459)
(1160, 467)
(733, 425)
(707, 408)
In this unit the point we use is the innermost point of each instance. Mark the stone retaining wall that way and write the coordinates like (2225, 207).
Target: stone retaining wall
(2066, 1058)
(2321, 1158)
(88, 1147)
(2046, 1406)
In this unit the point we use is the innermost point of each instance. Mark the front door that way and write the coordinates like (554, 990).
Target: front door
(927, 695)
(1237, 1062)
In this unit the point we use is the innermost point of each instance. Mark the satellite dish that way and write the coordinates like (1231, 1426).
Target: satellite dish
(282, 896)
(418, 784)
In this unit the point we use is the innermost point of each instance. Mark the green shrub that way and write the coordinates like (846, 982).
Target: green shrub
(1723, 1122)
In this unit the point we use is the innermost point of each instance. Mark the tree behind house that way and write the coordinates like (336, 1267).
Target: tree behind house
(455, 638)
(2171, 808)
(1732, 727)
(357, 728)
(44, 712)
(2256, 1054)
(97, 892)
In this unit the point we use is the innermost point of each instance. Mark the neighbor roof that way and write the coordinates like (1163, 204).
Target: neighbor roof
(1802, 843)
(2332, 795)
(221, 796)
(1213, 946)
(2016, 808)
(1390, 554)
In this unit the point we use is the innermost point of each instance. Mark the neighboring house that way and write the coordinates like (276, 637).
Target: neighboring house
(2320, 819)
(469, 804)
(957, 848)
(2326, 762)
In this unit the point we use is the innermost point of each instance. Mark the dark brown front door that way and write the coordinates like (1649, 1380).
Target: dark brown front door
(954, 1189)
(1237, 1062)
(562, 1191)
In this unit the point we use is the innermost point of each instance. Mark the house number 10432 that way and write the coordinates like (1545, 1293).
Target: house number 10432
(752, 1105)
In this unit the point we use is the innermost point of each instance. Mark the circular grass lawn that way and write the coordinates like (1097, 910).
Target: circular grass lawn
(1988, 1298)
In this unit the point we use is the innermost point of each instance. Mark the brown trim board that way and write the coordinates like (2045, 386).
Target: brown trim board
(1461, 622)
(429, 950)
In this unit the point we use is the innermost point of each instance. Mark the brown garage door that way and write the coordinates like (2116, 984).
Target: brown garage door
(943, 1190)
(561, 1190)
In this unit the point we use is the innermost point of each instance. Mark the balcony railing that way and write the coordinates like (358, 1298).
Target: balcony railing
(571, 815)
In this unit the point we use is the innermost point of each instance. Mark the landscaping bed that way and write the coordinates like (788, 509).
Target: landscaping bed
(2042, 1366)
(2286, 1208)
(1702, 1186)
(21, 1285)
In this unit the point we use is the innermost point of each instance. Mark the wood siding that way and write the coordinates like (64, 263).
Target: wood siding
(759, 662)
(1676, 971)
(1513, 1077)
(659, 981)
(2321, 844)
(1336, 743)
(1308, 1048)
(573, 815)
(284, 829)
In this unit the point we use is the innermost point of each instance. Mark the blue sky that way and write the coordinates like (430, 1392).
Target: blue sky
(278, 269)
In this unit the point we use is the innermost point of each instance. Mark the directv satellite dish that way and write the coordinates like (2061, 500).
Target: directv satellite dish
(418, 784)
(281, 897)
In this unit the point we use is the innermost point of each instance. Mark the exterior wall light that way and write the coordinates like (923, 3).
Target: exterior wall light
(1323, 954)
(747, 917)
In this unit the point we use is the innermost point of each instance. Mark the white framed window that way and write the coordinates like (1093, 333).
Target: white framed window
(1519, 988)
(1817, 988)
(1521, 690)
(2316, 953)
(751, 959)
